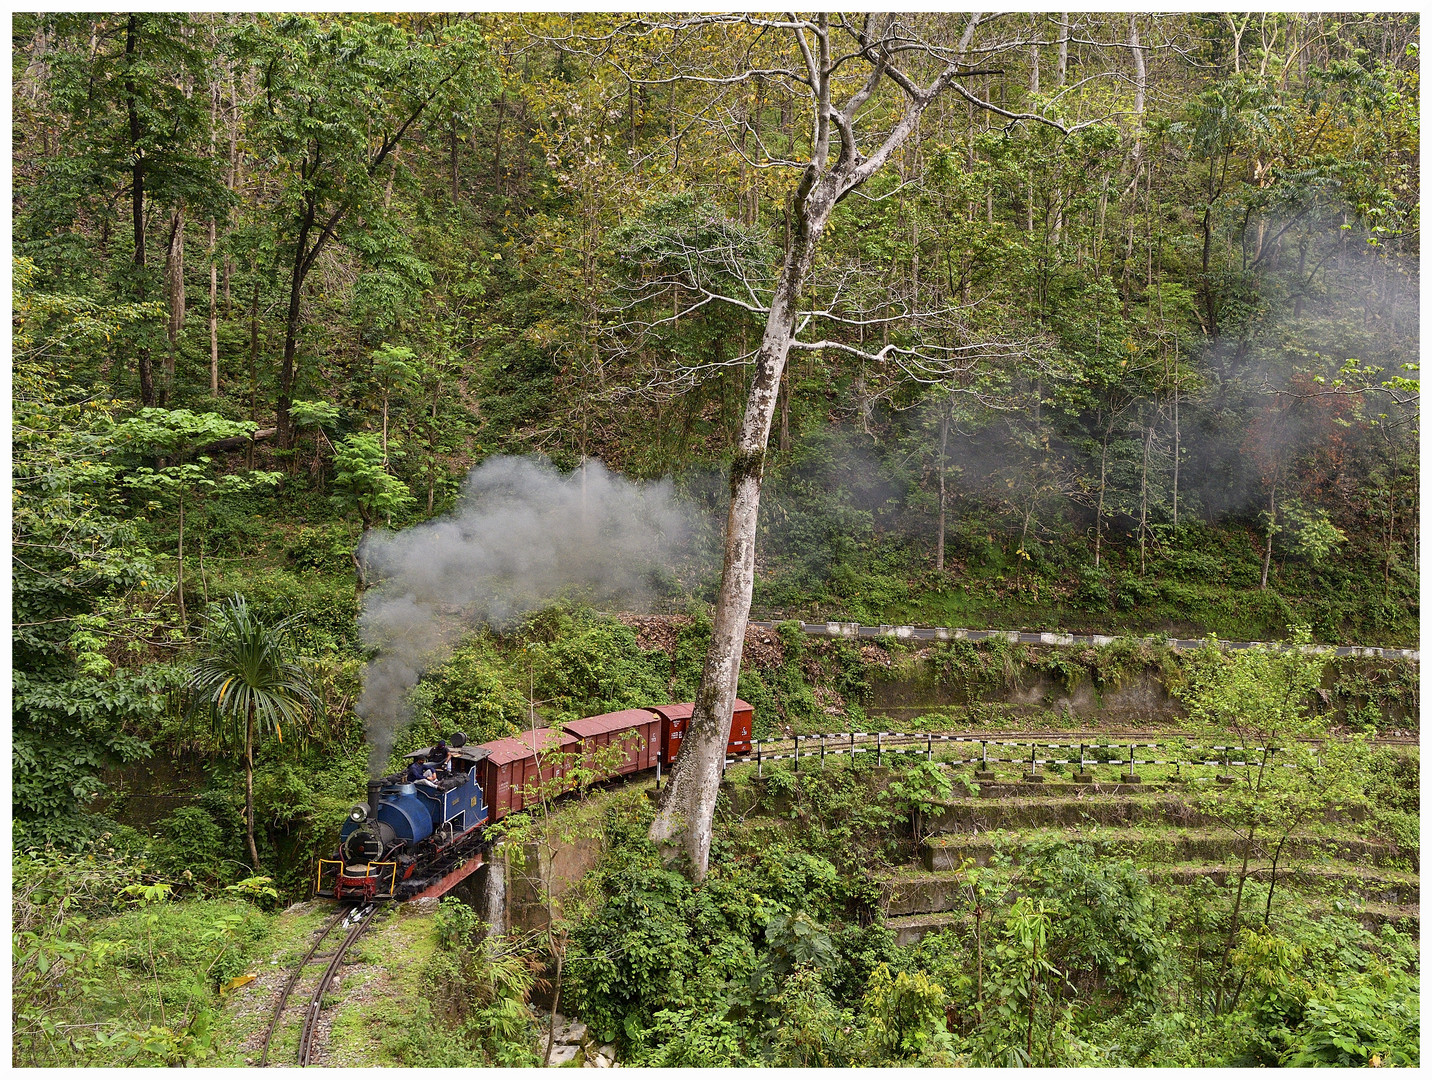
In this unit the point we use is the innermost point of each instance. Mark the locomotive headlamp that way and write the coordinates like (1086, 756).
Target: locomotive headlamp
(359, 813)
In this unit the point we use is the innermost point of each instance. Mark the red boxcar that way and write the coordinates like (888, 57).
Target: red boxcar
(511, 772)
(639, 730)
(675, 718)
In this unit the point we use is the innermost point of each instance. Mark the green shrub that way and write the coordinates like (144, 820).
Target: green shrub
(474, 691)
(478, 992)
(634, 955)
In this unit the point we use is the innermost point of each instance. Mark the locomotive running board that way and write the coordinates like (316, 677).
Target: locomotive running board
(445, 883)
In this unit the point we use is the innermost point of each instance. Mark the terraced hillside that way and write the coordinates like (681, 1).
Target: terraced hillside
(1328, 866)
(1167, 820)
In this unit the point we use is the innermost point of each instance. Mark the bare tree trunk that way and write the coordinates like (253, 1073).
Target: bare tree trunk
(1063, 68)
(213, 312)
(1033, 97)
(1272, 522)
(686, 812)
(131, 48)
(174, 294)
(1175, 433)
(290, 330)
(1237, 910)
(254, 361)
(183, 615)
(1103, 479)
(785, 443)
(1144, 496)
(174, 274)
(1391, 531)
(388, 188)
(940, 532)
(249, 786)
(1140, 86)
(684, 821)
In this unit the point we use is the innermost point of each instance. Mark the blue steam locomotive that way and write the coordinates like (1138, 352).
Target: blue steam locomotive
(409, 835)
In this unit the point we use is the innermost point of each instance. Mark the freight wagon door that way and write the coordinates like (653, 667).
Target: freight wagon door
(650, 744)
(502, 795)
(741, 719)
(673, 731)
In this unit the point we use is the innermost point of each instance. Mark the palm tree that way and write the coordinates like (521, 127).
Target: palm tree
(250, 683)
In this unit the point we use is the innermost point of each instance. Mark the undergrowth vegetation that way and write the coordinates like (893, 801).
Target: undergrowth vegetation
(1073, 959)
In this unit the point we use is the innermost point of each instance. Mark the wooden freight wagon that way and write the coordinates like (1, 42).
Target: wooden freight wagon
(637, 731)
(675, 719)
(511, 773)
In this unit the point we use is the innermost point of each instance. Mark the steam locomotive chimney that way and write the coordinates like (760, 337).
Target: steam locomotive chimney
(374, 786)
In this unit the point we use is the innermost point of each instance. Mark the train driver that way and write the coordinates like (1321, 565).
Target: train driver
(440, 757)
(420, 772)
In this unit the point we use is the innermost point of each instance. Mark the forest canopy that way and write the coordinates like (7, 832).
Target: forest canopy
(1124, 334)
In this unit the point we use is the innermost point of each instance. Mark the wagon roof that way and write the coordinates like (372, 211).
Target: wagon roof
(612, 721)
(682, 711)
(516, 747)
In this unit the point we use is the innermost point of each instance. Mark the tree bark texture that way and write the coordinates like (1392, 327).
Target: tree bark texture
(213, 315)
(690, 803)
(249, 786)
(684, 821)
(174, 280)
(940, 533)
(290, 328)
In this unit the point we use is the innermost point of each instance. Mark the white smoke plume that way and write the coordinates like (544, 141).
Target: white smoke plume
(521, 534)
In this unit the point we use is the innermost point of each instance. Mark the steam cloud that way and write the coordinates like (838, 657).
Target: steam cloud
(521, 535)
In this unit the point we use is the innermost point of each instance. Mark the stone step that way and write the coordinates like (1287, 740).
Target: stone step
(1081, 808)
(910, 929)
(1360, 884)
(1404, 917)
(1088, 806)
(1148, 846)
(922, 893)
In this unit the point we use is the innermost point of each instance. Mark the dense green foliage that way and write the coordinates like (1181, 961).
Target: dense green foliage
(109, 969)
(282, 280)
(1070, 959)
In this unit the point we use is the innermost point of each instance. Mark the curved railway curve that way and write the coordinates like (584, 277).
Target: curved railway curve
(356, 921)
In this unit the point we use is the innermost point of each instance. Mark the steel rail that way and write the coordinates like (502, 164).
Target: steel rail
(293, 978)
(315, 1004)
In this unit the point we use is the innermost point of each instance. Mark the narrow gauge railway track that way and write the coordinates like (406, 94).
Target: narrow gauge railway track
(358, 920)
(979, 744)
(1061, 737)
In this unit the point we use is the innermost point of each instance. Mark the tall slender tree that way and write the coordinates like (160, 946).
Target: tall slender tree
(336, 98)
(868, 80)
